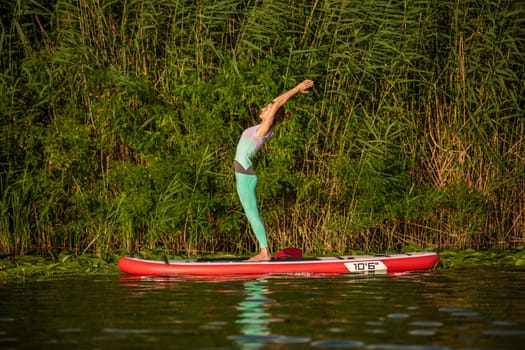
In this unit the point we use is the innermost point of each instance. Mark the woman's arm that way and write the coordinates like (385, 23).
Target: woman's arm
(269, 111)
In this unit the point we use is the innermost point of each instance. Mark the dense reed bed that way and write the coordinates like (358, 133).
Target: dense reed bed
(120, 121)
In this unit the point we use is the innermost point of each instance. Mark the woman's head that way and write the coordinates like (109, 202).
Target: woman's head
(281, 115)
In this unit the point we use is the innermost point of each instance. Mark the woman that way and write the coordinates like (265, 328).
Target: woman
(251, 141)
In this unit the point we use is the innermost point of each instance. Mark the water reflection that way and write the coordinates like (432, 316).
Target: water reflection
(255, 318)
(253, 315)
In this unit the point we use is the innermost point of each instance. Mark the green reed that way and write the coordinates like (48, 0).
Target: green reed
(121, 120)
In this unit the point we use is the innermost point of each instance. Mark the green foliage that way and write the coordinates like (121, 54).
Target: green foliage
(120, 121)
(469, 257)
(53, 265)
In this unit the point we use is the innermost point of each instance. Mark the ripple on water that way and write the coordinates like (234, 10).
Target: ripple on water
(450, 309)
(427, 324)
(337, 343)
(404, 347)
(504, 323)
(422, 332)
(459, 312)
(507, 330)
(504, 332)
(214, 325)
(398, 316)
(70, 330)
(269, 339)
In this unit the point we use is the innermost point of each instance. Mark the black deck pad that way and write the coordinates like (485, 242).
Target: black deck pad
(223, 260)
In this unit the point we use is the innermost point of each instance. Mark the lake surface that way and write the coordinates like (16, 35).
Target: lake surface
(472, 308)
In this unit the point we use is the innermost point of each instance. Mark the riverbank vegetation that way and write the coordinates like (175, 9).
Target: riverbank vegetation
(120, 121)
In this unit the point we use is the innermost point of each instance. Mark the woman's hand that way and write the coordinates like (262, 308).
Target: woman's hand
(304, 86)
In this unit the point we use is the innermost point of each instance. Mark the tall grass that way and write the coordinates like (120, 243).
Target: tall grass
(121, 119)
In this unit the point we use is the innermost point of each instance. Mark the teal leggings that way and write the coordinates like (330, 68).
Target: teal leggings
(246, 185)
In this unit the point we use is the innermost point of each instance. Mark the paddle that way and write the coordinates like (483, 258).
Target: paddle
(288, 253)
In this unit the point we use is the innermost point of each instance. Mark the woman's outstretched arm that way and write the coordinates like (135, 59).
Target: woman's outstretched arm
(268, 113)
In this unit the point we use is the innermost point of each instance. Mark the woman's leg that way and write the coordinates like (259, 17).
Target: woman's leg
(246, 185)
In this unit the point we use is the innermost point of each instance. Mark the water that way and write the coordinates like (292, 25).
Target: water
(481, 308)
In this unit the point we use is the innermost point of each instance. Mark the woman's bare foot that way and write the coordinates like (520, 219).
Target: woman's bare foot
(264, 255)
